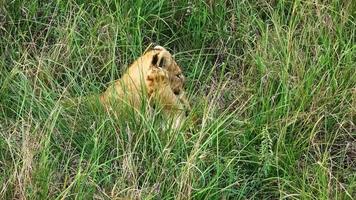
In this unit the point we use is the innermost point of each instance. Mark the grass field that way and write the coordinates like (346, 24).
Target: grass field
(273, 84)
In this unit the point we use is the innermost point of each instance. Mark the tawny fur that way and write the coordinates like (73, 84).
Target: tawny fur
(156, 76)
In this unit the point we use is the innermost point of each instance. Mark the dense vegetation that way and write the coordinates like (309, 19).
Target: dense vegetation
(272, 84)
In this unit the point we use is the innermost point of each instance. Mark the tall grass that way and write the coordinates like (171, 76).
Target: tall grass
(272, 84)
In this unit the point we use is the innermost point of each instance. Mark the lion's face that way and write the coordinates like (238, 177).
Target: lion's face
(177, 78)
(166, 61)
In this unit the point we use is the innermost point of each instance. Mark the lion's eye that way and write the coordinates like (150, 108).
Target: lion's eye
(179, 76)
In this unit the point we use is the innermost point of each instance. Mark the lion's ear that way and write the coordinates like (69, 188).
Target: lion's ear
(159, 60)
(162, 62)
(155, 59)
(162, 59)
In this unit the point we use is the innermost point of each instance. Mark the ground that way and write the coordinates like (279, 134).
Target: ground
(272, 84)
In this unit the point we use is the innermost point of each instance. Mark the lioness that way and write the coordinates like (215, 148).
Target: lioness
(154, 78)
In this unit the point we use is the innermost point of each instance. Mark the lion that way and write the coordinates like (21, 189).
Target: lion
(154, 78)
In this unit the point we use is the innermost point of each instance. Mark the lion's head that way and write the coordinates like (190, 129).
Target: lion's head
(164, 59)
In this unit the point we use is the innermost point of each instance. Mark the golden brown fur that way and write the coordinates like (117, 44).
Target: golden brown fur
(155, 76)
